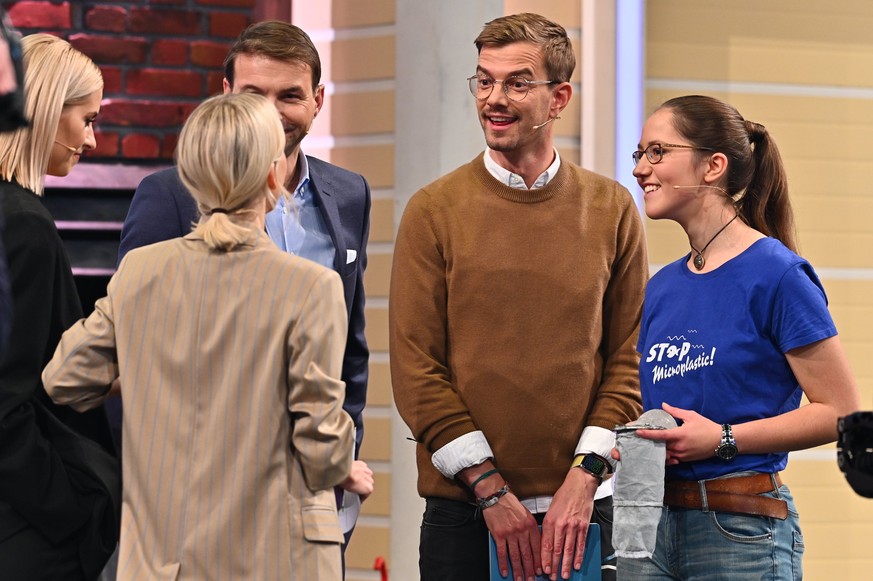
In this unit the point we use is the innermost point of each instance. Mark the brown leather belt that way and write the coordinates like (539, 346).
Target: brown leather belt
(739, 494)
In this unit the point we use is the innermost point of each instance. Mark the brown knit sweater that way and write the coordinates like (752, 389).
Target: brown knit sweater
(516, 313)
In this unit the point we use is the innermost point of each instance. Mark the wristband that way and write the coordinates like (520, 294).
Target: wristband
(482, 477)
(490, 501)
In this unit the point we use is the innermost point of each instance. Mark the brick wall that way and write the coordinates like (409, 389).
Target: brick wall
(159, 58)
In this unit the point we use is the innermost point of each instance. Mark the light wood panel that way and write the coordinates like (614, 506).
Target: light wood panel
(379, 385)
(351, 13)
(382, 220)
(377, 440)
(377, 277)
(362, 59)
(374, 162)
(362, 113)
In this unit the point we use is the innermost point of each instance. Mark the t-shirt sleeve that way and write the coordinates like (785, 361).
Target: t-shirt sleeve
(800, 311)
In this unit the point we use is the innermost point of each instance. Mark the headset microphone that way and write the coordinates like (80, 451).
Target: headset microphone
(702, 186)
(67, 147)
(546, 123)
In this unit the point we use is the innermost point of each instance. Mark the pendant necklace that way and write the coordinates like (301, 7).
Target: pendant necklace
(699, 261)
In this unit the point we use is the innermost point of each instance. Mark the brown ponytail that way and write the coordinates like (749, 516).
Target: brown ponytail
(765, 206)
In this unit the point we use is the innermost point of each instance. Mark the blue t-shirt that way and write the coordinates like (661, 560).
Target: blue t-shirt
(715, 343)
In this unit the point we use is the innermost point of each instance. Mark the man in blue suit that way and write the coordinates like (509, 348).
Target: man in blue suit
(326, 216)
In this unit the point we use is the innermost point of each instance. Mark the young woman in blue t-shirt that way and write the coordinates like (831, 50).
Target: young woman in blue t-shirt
(732, 335)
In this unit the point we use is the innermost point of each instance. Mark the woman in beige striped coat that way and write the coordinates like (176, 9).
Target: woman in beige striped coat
(229, 354)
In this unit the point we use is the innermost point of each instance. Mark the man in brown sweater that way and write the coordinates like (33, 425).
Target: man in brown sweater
(515, 305)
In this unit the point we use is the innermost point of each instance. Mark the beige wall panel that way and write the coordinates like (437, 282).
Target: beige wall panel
(378, 274)
(377, 328)
(764, 61)
(829, 211)
(859, 357)
(376, 446)
(838, 249)
(374, 162)
(362, 59)
(783, 108)
(835, 179)
(665, 241)
(567, 13)
(843, 568)
(808, 140)
(757, 41)
(379, 503)
(379, 385)
(362, 113)
(367, 544)
(351, 13)
(853, 322)
(382, 220)
(571, 153)
(838, 539)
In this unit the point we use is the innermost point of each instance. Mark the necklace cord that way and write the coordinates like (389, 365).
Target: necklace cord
(699, 260)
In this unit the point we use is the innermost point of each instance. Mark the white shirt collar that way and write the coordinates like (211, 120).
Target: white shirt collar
(513, 180)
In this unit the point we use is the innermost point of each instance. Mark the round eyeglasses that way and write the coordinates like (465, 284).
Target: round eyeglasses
(516, 88)
(655, 152)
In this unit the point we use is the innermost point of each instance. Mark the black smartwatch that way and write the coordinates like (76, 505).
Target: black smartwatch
(727, 450)
(593, 464)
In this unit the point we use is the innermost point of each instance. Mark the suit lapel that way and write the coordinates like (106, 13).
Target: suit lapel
(322, 189)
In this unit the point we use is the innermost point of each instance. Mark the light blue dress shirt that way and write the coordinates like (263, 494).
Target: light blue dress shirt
(297, 226)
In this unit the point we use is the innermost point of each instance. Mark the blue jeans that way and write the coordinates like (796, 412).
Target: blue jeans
(716, 546)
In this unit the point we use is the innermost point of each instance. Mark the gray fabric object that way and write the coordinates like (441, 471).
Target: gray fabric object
(639, 486)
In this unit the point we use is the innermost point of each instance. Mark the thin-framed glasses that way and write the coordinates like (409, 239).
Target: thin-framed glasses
(516, 88)
(655, 151)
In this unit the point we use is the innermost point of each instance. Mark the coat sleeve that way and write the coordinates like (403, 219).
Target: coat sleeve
(33, 479)
(321, 432)
(85, 362)
(357, 355)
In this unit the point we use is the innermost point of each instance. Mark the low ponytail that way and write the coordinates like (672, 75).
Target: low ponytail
(225, 153)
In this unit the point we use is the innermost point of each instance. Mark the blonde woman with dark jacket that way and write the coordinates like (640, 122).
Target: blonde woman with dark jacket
(59, 485)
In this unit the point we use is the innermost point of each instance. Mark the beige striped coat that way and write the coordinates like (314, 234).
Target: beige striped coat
(233, 428)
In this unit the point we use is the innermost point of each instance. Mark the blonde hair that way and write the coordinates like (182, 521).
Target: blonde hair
(55, 75)
(225, 152)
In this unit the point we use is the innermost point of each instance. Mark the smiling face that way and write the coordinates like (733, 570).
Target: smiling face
(678, 167)
(509, 126)
(75, 134)
(288, 85)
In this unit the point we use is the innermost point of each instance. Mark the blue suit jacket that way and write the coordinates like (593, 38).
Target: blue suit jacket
(162, 209)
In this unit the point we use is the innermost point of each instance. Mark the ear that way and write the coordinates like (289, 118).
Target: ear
(225, 86)
(273, 189)
(716, 168)
(272, 180)
(319, 99)
(560, 98)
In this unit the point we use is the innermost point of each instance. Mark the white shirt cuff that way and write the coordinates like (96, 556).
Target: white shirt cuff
(469, 450)
(598, 441)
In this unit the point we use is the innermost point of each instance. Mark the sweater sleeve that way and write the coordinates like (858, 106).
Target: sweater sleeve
(618, 398)
(420, 376)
